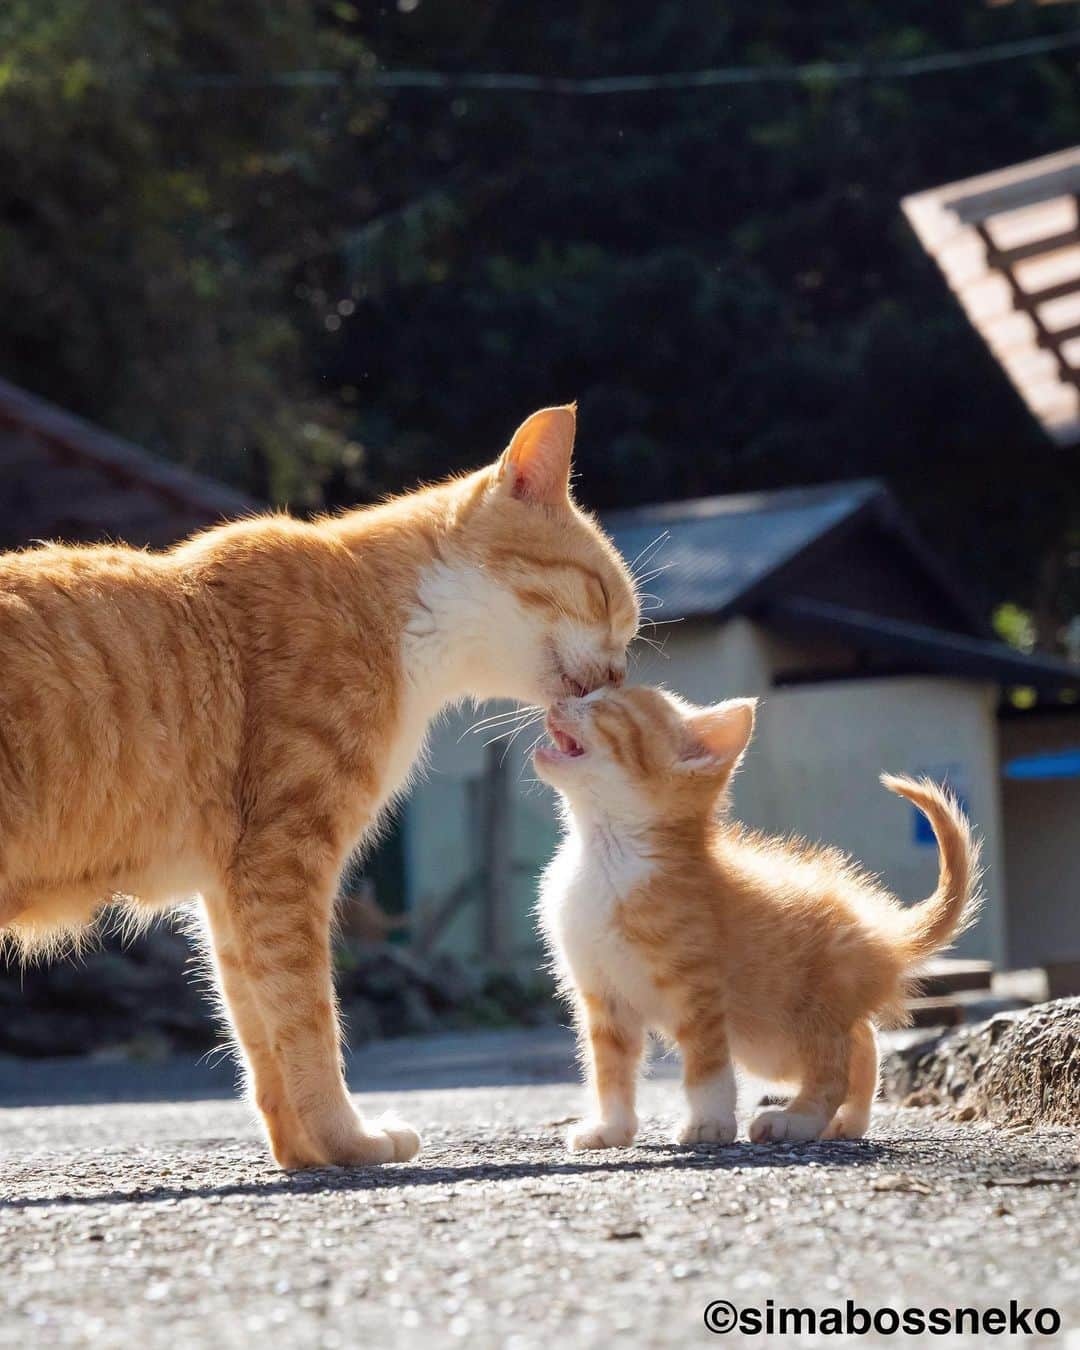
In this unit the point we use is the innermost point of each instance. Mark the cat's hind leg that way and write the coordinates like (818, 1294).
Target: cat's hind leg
(824, 1057)
(612, 1042)
(852, 1119)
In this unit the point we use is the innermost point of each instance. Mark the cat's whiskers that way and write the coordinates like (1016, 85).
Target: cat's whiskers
(641, 561)
(527, 759)
(657, 647)
(649, 576)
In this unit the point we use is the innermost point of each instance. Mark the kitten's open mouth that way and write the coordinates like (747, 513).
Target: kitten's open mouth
(563, 746)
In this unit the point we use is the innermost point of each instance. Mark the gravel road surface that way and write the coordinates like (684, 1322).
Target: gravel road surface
(142, 1212)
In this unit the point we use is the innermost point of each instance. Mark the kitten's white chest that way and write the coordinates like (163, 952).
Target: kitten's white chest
(580, 895)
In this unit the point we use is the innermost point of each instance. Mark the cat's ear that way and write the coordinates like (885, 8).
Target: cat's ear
(535, 467)
(717, 737)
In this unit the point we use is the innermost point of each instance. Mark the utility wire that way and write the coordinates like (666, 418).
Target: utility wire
(717, 77)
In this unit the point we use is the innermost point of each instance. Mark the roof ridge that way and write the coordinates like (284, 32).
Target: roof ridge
(860, 490)
(956, 652)
(116, 456)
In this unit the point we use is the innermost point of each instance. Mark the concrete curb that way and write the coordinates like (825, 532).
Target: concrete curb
(1018, 1068)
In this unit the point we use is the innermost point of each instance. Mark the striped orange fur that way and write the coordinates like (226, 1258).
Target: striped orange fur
(226, 719)
(662, 914)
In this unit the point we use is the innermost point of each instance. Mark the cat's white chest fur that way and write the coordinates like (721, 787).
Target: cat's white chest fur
(586, 881)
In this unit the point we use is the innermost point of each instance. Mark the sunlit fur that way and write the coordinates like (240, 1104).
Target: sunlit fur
(226, 719)
(661, 914)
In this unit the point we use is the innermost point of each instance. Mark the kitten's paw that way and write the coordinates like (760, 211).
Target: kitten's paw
(601, 1134)
(718, 1131)
(847, 1125)
(404, 1138)
(777, 1126)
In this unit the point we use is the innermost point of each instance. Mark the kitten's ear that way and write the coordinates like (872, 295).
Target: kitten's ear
(717, 737)
(535, 467)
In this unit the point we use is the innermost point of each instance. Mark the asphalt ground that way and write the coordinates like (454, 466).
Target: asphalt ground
(138, 1207)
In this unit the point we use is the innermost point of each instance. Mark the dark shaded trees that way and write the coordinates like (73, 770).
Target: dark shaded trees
(327, 291)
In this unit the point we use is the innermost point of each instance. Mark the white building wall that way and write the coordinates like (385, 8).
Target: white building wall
(706, 663)
(814, 767)
(443, 832)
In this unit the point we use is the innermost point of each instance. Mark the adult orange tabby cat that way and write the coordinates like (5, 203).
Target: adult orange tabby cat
(734, 945)
(226, 719)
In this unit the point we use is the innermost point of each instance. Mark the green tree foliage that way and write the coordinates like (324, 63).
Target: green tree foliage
(326, 291)
(138, 279)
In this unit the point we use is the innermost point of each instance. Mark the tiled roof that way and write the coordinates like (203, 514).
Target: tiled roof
(717, 550)
(63, 478)
(1009, 246)
(723, 555)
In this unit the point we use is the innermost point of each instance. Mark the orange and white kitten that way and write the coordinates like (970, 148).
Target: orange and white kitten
(661, 915)
(226, 719)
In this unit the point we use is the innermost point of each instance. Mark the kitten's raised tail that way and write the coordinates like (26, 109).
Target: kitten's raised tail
(954, 906)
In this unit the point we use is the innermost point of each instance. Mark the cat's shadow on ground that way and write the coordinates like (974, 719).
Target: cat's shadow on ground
(661, 1157)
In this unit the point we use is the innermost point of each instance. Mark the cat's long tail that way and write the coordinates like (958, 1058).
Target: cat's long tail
(954, 906)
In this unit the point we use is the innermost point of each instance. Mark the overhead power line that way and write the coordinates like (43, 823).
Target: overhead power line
(678, 81)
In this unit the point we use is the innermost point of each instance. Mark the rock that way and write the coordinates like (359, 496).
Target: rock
(922, 1097)
(1017, 1068)
(38, 1034)
(452, 983)
(109, 995)
(148, 1048)
(100, 980)
(361, 1021)
(521, 1002)
(120, 994)
(900, 1181)
(164, 947)
(410, 1014)
(372, 970)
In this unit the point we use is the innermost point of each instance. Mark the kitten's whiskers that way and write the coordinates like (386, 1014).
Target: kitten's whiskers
(499, 719)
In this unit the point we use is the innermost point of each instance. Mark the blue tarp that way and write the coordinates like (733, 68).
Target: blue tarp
(1049, 765)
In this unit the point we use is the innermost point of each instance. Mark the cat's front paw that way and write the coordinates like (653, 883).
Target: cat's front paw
(782, 1125)
(591, 1134)
(385, 1140)
(721, 1130)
